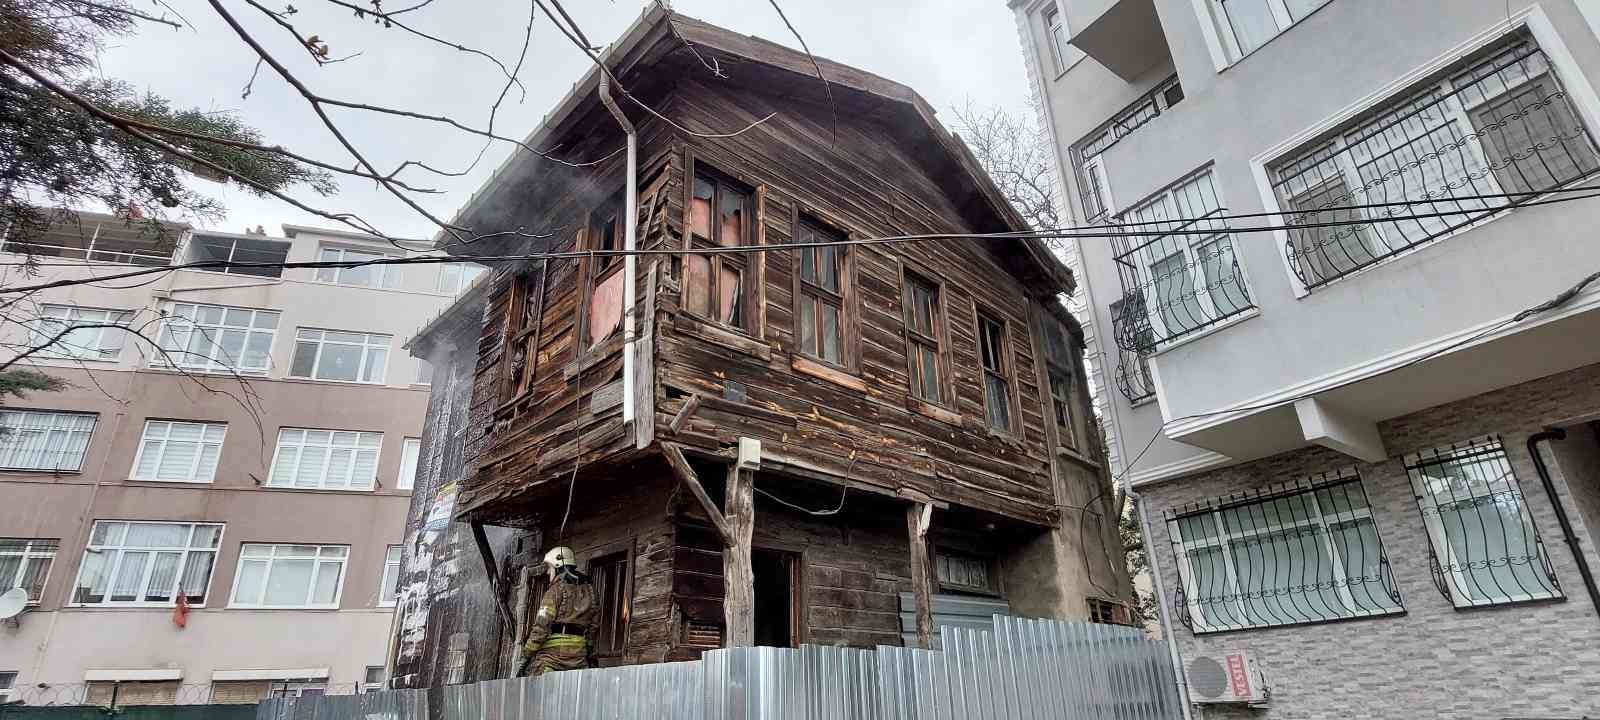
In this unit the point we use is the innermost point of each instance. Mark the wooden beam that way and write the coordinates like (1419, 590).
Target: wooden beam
(493, 570)
(685, 412)
(738, 575)
(680, 467)
(918, 517)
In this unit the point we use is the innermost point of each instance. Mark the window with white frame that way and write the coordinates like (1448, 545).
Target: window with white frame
(409, 451)
(8, 686)
(325, 459)
(281, 689)
(1181, 271)
(1062, 53)
(1244, 25)
(80, 333)
(378, 276)
(1306, 554)
(25, 563)
(389, 588)
(289, 576)
(374, 679)
(216, 338)
(147, 563)
(232, 249)
(1495, 123)
(424, 373)
(179, 451)
(456, 277)
(340, 356)
(44, 440)
(1482, 539)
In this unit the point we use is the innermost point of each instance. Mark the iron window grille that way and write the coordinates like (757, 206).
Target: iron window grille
(1482, 540)
(1301, 553)
(1133, 370)
(1091, 178)
(1499, 122)
(1180, 274)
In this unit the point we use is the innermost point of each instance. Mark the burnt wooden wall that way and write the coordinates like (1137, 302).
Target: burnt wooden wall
(870, 185)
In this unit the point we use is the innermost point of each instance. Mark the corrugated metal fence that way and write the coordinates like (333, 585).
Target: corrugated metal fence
(1022, 669)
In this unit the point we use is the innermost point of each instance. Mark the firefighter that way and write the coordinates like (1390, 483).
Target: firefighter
(558, 639)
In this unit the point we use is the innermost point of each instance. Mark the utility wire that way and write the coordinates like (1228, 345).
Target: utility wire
(1068, 234)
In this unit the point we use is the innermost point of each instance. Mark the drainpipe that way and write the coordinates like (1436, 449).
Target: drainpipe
(1161, 604)
(1561, 510)
(630, 266)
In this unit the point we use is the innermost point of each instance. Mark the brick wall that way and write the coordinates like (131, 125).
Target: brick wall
(1434, 661)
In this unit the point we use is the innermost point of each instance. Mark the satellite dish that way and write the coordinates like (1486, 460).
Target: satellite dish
(12, 603)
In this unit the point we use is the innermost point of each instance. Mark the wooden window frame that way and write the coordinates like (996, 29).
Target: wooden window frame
(522, 332)
(623, 556)
(847, 299)
(1008, 370)
(748, 264)
(598, 269)
(945, 409)
(991, 565)
(1066, 435)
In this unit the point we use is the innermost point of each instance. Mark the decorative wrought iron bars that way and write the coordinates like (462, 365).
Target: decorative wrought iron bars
(1481, 538)
(1301, 553)
(1178, 269)
(1498, 123)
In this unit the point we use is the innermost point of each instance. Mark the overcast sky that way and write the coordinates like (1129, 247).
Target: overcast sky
(949, 51)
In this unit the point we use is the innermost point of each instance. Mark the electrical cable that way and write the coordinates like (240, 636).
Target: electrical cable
(766, 247)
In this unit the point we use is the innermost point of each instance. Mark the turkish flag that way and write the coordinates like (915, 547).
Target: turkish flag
(180, 614)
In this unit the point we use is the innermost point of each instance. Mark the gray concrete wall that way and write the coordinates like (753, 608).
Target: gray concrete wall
(1433, 661)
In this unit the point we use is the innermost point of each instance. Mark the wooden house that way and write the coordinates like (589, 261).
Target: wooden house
(833, 438)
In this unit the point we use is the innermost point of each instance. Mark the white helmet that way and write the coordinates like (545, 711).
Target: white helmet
(559, 556)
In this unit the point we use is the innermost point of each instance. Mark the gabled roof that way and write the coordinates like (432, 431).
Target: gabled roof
(658, 34)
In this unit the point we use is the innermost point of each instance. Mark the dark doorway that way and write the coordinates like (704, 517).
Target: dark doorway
(776, 580)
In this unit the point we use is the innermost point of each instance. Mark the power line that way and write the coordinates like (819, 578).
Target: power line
(1048, 234)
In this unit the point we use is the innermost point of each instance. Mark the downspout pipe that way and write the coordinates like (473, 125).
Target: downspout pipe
(1561, 510)
(1161, 605)
(630, 240)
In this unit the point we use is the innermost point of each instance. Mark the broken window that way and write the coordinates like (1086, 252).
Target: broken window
(992, 349)
(605, 272)
(716, 285)
(925, 338)
(822, 294)
(610, 574)
(1059, 368)
(964, 573)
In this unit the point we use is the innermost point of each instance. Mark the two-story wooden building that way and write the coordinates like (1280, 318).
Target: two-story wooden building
(805, 441)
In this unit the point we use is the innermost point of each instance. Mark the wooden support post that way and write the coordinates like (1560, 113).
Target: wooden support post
(918, 516)
(738, 576)
(493, 570)
(680, 467)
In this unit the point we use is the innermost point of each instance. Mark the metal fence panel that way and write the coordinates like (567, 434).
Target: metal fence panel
(1021, 668)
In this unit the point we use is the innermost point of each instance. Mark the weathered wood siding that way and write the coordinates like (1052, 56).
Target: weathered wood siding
(868, 185)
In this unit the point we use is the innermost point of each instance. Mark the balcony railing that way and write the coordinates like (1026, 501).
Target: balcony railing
(1176, 283)
(1493, 133)
(1148, 107)
(1133, 377)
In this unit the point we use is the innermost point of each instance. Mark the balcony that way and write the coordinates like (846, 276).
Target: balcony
(1123, 35)
(1493, 133)
(1177, 283)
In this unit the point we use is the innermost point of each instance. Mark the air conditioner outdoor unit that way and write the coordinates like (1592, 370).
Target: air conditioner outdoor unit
(1224, 677)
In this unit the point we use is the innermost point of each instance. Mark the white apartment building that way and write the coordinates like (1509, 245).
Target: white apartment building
(238, 441)
(1327, 235)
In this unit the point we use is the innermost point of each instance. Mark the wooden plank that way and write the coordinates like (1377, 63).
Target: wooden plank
(918, 517)
(493, 571)
(644, 363)
(685, 412)
(685, 473)
(738, 575)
